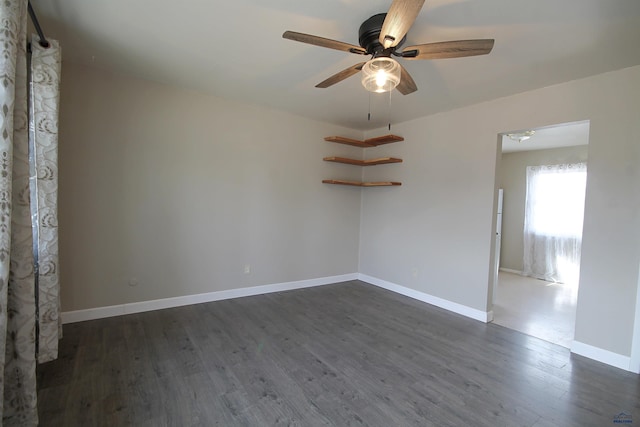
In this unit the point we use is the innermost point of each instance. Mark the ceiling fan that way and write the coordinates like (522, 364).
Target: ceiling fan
(381, 36)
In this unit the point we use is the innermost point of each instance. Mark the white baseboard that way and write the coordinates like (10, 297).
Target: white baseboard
(601, 355)
(464, 310)
(139, 307)
(508, 270)
(591, 352)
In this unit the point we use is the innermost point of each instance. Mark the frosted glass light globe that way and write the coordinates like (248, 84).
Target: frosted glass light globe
(381, 75)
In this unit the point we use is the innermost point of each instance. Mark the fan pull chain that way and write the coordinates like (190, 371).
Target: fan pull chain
(369, 114)
(390, 110)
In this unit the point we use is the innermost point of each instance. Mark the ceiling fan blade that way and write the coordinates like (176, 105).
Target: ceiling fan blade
(406, 85)
(400, 18)
(322, 42)
(453, 49)
(338, 77)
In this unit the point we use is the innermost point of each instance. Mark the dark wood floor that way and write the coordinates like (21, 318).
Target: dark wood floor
(338, 355)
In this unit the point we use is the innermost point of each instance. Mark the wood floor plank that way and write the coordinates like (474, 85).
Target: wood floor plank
(348, 354)
(280, 352)
(318, 382)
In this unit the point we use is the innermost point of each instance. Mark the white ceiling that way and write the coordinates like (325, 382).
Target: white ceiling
(234, 49)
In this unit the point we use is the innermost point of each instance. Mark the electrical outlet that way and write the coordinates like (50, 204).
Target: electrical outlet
(133, 281)
(247, 269)
(414, 272)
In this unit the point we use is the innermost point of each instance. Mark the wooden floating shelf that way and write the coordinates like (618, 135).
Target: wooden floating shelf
(386, 139)
(371, 142)
(361, 184)
(370, 162)
(347, 141)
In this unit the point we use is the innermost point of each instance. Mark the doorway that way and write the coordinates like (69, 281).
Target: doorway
(536, 285)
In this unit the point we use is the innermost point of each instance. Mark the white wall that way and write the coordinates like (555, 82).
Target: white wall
(438, 221)
(441, 220)
(513, 179)
(181, 190)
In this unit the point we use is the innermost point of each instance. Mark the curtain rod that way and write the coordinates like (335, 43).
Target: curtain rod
(34, 19)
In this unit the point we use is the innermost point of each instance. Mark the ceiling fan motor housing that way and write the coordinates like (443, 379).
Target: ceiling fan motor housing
(369, 35)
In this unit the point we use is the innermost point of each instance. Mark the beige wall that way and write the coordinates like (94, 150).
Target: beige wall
(513, 179)
(442, 220)
(181, 190)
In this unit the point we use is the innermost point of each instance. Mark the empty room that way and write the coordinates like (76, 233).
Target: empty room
(285, 213)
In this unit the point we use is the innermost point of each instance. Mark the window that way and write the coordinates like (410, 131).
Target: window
(555, 196)
(554, 211)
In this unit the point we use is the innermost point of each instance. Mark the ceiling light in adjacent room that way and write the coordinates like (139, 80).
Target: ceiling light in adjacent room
(381, 75)
(521, 136)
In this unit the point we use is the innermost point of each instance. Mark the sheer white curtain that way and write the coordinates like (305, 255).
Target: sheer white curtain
(554, 210)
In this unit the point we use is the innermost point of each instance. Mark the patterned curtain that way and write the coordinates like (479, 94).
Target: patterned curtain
(45, 98)
(18, 308)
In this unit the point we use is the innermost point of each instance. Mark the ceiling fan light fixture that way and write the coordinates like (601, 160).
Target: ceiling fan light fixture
(381, 74)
